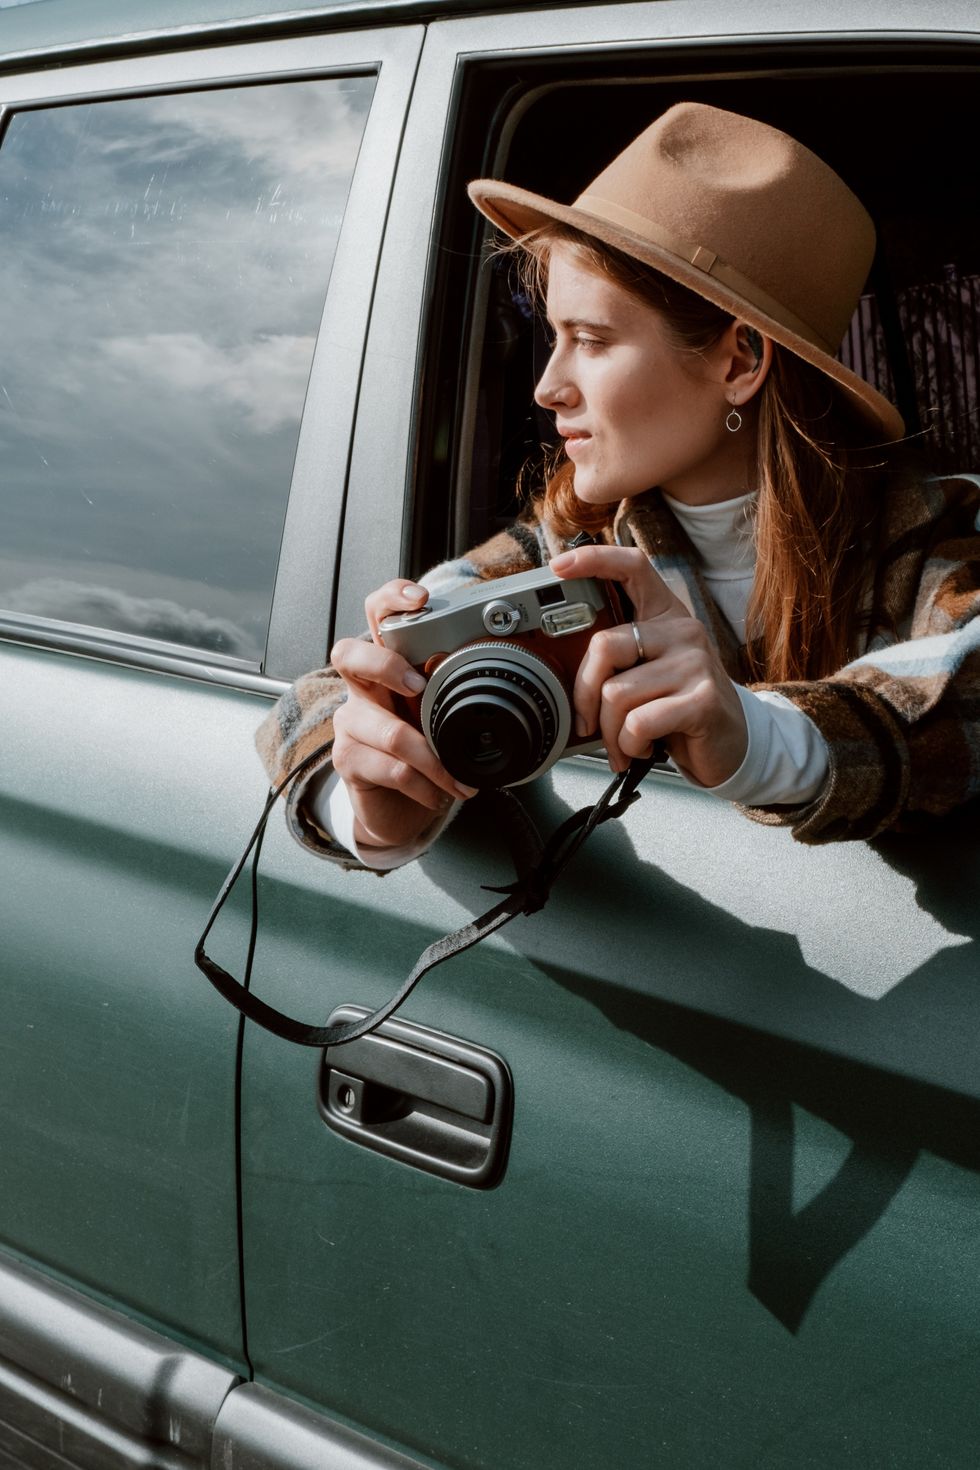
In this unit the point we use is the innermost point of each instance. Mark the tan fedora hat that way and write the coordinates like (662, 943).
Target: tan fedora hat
(738, 212)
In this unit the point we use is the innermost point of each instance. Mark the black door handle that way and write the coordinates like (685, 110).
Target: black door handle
(430, 1100)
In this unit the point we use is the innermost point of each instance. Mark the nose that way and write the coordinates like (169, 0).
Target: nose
(554, 388)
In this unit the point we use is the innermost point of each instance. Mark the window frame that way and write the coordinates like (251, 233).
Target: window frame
(299, 627)
(456, 53)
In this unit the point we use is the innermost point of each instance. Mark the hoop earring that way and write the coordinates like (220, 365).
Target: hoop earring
(734, 421)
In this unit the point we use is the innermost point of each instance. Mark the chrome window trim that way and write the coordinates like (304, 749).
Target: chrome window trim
(300, 615)
(136, 653)
(215, 26)
(282, 60)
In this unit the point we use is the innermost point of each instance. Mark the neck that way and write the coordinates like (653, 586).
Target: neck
(727, 472)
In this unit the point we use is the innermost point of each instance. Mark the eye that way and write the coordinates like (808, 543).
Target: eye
(588, 342)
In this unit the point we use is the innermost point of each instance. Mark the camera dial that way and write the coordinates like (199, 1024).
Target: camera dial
(495, 715)
(501, 618)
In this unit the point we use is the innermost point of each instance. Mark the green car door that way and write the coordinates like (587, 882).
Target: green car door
(731, 1216)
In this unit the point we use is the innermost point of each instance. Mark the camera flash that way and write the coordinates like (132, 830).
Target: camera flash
(559, 621)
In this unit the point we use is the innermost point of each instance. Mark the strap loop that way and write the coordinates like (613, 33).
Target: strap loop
(529, 893)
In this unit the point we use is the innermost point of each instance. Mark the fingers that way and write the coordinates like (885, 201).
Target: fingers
(644, 704)
(375, 747)
(384, 760)
(628, 566)
(679, 688)
(379, 772)
(674, 647)
(658, 718)
(635, 714)
(398, 596)
(677, 692)
(366, 666)
(703, 724)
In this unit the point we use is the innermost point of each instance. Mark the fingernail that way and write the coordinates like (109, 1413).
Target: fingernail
(414, 591)
(581, 727)
(466, 791)
(559, 563)
(413, 681)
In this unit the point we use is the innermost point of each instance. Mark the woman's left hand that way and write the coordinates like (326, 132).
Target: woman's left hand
(678, 692)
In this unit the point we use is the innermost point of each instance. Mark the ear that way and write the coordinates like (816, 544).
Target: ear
(747, 360)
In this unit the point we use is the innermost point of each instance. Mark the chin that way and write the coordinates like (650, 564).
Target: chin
(592, 494)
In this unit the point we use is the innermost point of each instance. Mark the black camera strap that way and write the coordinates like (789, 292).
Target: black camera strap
(539, 866)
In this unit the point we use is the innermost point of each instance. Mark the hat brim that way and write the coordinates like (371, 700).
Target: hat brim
(518, 212)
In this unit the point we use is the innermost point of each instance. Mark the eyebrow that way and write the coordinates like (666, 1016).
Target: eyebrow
(578, 321)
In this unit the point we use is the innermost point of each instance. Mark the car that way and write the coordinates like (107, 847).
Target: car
(683, 1169)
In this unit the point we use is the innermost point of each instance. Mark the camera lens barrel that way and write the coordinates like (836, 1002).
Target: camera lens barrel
(495, 715)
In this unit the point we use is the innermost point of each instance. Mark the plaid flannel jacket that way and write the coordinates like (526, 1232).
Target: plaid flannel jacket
(901, 722)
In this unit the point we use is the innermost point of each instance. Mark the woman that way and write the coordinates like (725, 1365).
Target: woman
(805, 636)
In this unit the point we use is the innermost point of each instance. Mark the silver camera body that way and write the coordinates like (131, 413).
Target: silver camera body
(500, 659)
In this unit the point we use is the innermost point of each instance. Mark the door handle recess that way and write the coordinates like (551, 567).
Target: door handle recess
(433, 1101)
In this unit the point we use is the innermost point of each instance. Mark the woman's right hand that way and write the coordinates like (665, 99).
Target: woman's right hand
(396, 784)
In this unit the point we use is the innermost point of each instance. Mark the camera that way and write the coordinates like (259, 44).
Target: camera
(500, 659)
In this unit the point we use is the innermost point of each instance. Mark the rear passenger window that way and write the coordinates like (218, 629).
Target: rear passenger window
(166, 260)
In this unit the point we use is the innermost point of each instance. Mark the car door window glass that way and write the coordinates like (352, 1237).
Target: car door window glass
(166, 260)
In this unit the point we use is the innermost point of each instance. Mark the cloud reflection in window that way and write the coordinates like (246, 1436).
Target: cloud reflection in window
(166, 260)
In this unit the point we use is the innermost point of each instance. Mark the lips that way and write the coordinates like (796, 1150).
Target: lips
(574, 438)
(574, 443)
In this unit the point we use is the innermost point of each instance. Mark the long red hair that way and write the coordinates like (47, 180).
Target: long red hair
(820, 480)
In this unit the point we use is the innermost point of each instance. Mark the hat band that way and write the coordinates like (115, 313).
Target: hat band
(704, 260)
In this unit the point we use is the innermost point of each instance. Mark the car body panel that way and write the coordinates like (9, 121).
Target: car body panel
(761, 1117)
(121, 1071)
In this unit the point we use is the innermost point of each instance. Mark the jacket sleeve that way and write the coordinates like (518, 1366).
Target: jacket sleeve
(902, 722)
(302, 719)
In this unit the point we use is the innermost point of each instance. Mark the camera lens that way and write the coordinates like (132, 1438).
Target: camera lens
(488, 736)
(495, 717)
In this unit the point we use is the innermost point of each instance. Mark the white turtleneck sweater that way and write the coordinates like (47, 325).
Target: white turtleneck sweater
(785, 762)
(722, 535)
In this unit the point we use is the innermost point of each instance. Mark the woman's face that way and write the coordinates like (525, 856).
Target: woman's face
(633, 410)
